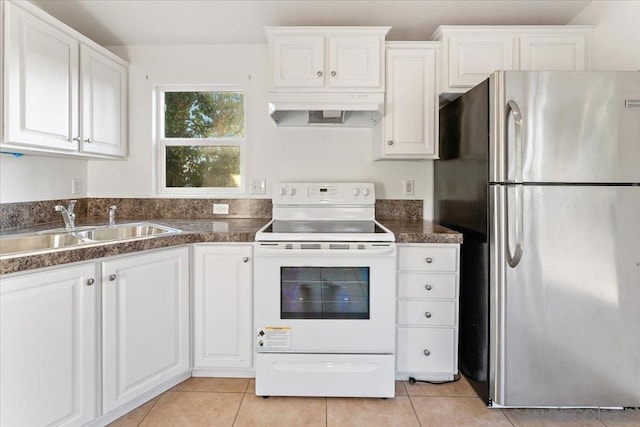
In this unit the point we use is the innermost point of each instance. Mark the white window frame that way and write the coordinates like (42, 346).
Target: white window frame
(163, 142)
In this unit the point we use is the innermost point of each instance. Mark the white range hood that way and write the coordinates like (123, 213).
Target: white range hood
(326, 109)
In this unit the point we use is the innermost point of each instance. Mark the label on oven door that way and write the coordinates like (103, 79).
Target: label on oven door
(276, 338)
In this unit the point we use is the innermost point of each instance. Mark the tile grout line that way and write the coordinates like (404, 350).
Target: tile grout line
(414, 409)
(235, 418)
(507, 417)
(326, 412)
(150, 409)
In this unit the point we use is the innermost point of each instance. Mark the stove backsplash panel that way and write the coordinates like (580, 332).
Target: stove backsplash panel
(28, 214)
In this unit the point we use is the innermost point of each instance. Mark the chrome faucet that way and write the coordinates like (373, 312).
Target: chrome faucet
(68, 215)
(112, 216)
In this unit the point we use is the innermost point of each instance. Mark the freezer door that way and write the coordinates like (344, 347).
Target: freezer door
(565, 320)
(565, 127)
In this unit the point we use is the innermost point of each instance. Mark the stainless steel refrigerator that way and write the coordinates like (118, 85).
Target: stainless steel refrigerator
(541, 172)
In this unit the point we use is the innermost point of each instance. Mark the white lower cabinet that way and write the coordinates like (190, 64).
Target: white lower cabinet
(427, 311)
(222, 310)
(48, 331)
(145, 323)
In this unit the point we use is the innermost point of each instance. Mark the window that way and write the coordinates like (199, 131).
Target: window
(201, 140)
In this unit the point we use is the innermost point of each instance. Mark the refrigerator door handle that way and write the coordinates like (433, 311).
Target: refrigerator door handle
(514, 110)
(514, 260)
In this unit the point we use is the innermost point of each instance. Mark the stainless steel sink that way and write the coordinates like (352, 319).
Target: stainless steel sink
(126, 231)
(57, 239)
(10, 245)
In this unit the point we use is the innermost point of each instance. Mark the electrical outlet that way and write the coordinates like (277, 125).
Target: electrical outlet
(220, 209)
(407, 187)
(76, 186)
(258, 186)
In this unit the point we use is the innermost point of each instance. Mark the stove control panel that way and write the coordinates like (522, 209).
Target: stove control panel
(305, 193)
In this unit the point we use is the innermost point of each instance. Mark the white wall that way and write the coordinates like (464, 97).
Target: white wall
(616, 39)
(273, 153)
(30, 178)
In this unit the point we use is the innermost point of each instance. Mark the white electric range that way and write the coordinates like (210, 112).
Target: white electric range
(324, 294)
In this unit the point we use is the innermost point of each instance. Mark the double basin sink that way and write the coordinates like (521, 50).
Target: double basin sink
(45, 241)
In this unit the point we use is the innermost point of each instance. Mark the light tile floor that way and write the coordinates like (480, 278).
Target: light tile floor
(232, 402)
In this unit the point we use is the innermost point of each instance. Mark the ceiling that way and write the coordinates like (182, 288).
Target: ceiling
(145, 22)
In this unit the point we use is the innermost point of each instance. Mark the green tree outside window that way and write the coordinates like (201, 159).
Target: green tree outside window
(203, 115)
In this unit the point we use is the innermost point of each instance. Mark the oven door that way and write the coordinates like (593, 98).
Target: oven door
(325, 297)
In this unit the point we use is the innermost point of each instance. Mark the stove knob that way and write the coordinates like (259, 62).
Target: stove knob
(365, 192)
(355, 191)
(291, 191)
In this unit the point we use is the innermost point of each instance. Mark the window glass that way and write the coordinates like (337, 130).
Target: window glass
(324, 292)
(202, 166)
(214, 114)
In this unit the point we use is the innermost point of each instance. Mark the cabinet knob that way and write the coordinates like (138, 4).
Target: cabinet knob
(319, 73)
(429, 260)
(389, 142)
(90, 282)
(76, 139)
(112, 277)
(88, 140)
(245, 259)
(333, 74)
(426, 352)
(427, 315)
(428, 287)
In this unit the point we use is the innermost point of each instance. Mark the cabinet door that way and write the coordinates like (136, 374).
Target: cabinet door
(222, 306)
(355, 62)
(104, 103)
(41, 83)
(145, 327)
(48, 342)
(424, 350)
(410, 104)
(298, 62)
(553, 53)
(473, 58)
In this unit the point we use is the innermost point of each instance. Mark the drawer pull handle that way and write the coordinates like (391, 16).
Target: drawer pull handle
(90, 282)
(429, 260)
(112, 277)
(426, 352)
(427, 287)
(427, 315)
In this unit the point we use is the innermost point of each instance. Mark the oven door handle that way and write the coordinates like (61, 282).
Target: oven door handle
(267, 251)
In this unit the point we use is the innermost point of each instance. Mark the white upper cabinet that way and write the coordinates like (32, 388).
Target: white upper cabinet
(64, 95)
(327, 58)
(104, 104)
(409, 129)
(472, 53)
(298, 61)
(41, 83)
(540, 52)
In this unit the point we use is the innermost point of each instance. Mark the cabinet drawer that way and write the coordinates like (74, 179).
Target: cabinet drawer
(425, 350)
(427, 259)
(427, 313)
(415, 285)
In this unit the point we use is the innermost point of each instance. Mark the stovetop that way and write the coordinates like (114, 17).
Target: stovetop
(324, 212)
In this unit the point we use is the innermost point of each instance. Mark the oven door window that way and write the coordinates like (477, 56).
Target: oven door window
(324, 293)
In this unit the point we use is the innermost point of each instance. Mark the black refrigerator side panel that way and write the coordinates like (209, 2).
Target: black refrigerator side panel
(460, 203)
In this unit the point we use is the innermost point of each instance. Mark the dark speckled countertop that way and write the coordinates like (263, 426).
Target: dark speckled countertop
(199, 231)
